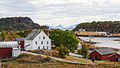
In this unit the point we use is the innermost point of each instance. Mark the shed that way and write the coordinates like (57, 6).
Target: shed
(101, 54)
(115, 57)
(9, 48)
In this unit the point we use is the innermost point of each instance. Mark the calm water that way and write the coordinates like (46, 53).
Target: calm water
(104, 41)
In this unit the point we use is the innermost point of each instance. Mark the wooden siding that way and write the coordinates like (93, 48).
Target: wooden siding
(113, 57)
(5, 52)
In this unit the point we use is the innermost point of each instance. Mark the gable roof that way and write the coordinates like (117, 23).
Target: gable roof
(12, 44)
(104, 51)
(20, 39)
(32, 34)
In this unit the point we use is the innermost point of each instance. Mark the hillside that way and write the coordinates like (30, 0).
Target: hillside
(107, 26)
(18, 23)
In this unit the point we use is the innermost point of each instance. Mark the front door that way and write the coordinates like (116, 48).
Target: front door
(95, 57)
(116, 59)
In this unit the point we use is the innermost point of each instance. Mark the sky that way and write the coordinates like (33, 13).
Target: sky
(64, 12)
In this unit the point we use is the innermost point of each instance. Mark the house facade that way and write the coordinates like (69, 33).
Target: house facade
(101, 54)
(37, 39)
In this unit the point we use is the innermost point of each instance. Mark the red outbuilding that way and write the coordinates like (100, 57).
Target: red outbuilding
(5, 52)
(101, 54)
(115, 57)
(9, 48)
(21, 42)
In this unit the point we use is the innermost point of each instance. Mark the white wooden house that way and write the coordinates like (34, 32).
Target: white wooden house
(37, 39)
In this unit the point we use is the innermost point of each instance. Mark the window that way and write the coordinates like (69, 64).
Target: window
(38, 47)
(39, 37)
(47, 47)
(36, 42)
(43, 47)
(47, 42)
(41, 42)
(43, 37)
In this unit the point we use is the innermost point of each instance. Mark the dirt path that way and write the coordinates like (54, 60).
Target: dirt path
(58, 59)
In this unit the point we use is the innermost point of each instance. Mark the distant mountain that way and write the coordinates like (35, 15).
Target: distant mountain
(18, 23)
(71, 27)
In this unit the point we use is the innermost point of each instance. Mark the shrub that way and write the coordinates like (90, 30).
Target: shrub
(83, 51)
(47, 58)
(63, 51)
(38, 51)
(30, 58)
(24, 55)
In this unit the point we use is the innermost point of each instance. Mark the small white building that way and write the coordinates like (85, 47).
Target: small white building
(82, 30)
(37, 39)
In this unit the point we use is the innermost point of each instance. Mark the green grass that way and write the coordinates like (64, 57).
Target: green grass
(56, 65)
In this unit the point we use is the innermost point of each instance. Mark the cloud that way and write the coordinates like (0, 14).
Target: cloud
(65, 12)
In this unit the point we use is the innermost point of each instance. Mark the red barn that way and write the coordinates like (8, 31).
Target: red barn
(101, 54)
(21, 42)
(5, 52)
(9, 48)
(115, 57)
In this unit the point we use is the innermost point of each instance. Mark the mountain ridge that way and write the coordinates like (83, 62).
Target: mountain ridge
(18, 24)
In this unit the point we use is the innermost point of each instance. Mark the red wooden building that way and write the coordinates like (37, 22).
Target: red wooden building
(9, 48)
(21, 42)
(115, 57)
(5, 52)
(101, 54)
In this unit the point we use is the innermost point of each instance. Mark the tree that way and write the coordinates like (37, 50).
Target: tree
(3, 35)
(83, 51)
(66, 38)
(63, 51)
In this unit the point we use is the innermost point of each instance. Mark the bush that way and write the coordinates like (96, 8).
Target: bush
(54, 53)
(47, 58)
(63, 51)
(83, 51)
(24, 55)
(29, 58)
(38, 51)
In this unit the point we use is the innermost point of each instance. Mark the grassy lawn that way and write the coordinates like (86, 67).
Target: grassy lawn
(55, 65)
(77, 59)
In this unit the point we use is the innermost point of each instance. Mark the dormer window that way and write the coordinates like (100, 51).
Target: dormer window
(43, 37)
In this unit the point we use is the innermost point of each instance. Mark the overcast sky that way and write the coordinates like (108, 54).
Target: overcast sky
(65, 12)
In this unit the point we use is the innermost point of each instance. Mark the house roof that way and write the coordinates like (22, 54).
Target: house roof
(104, 51)
(33, 34)
(115, 54)
(118, 52)
(12, 44)
(20, 39)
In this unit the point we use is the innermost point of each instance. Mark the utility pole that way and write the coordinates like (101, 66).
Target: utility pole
(51, 45)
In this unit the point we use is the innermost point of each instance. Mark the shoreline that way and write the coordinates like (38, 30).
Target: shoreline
(98, 36)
